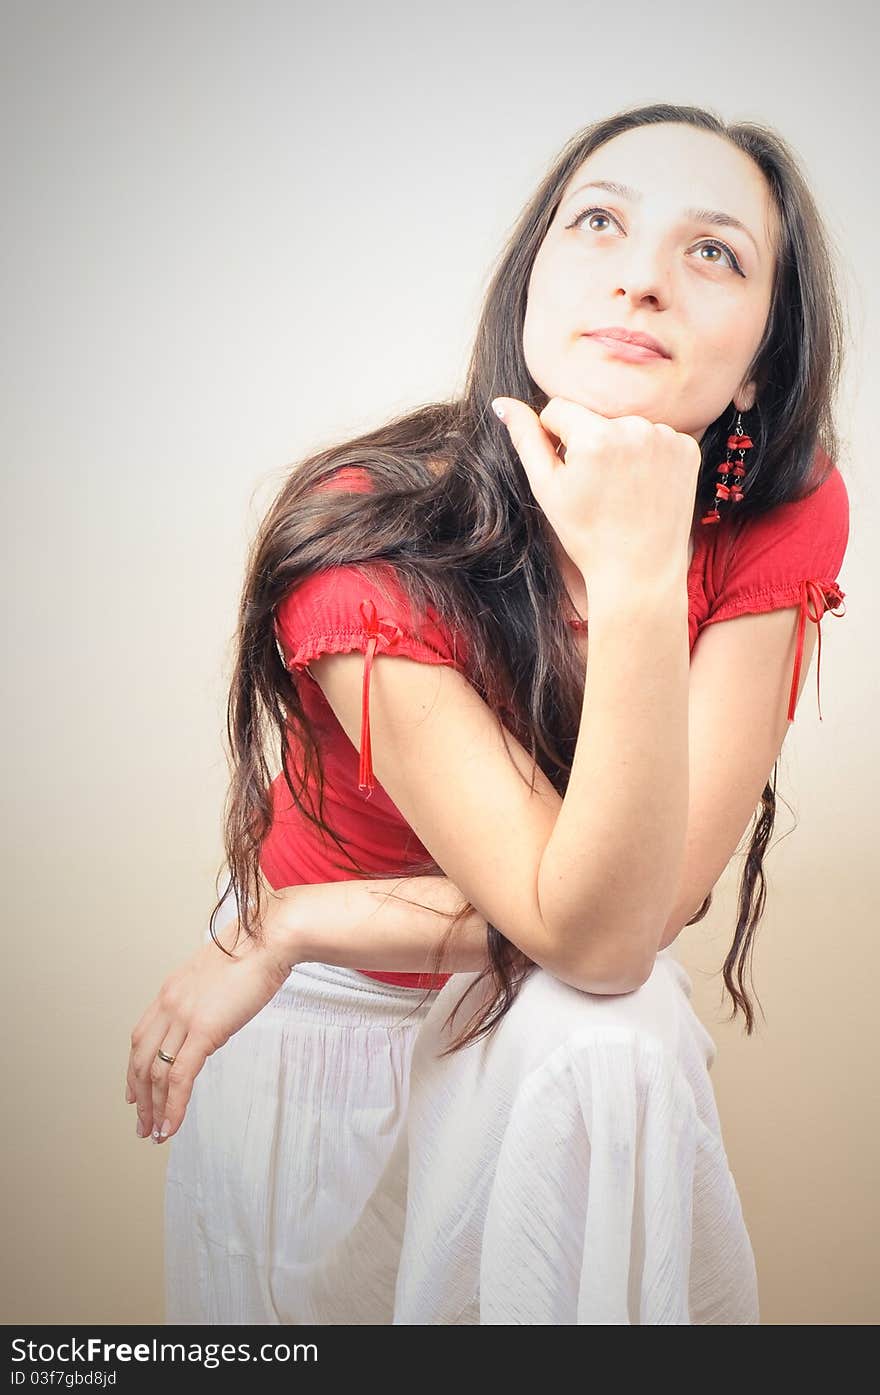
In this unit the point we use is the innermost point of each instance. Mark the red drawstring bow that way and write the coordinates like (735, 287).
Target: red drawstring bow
(812, 591)
(377, 635)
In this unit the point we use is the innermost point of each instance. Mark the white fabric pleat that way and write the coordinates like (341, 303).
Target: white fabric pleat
(569, 1170)
(332, 1168)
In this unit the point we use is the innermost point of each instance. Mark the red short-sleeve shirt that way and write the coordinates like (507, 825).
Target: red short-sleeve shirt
(791, 556)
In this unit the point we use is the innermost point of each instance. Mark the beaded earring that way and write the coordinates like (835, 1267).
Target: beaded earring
(730, 472)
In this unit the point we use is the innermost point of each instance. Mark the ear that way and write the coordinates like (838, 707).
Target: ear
(744, 398)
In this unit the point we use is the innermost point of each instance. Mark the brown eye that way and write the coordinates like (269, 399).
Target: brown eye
(589, 213)
(720, 246)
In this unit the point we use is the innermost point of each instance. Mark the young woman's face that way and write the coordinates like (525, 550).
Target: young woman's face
(646, 262)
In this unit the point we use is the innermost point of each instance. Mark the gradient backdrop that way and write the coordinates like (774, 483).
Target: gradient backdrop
(234, 233)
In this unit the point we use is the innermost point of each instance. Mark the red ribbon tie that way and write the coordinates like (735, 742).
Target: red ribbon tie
(386, 633)
(812, 591)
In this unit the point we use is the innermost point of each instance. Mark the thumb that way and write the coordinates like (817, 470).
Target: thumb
(533, 444)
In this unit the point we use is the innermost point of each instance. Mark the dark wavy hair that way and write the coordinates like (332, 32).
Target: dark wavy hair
(451, 509)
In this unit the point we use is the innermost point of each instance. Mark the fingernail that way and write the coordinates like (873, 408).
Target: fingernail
(165, 1128)
(498, 408)
(140, 1129)
(155, 1133)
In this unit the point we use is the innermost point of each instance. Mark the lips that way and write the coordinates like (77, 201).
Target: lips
(630, 336)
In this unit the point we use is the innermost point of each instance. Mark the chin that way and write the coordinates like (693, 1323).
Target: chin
(614, 406)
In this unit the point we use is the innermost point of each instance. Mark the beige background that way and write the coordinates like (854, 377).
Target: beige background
(234, 233)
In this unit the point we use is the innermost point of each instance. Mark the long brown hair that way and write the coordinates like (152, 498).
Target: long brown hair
(451, 509)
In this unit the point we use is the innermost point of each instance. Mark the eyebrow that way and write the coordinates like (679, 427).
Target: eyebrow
(701, 215)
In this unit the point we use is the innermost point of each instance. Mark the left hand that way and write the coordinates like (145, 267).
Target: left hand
(198, 1008)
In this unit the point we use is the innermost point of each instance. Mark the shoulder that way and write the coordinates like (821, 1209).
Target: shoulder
(339, 607)
(360, 480)
(823, 506)
(354, 477)
(361, 606)
(801, 539)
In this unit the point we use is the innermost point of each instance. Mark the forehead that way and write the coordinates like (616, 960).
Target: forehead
(683, 168)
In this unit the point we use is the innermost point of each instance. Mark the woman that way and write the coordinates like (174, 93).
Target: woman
(353, 1153)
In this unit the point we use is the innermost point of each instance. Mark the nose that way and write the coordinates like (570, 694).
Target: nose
(643, 275)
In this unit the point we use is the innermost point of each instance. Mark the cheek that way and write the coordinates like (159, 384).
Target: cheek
(535, 334)
(550, 313)
(554, 288)
(723, 329)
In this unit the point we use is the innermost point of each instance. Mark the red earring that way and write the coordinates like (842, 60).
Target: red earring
(730, 472)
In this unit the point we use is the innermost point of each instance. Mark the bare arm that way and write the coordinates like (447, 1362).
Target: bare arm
(391, 926)
(620, 830)
(613, 860)
(467, 793)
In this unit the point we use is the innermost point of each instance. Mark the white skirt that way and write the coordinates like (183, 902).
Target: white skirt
(285, 1137)
(332, 1169)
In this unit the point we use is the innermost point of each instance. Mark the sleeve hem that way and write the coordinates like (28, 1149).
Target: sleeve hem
(356, 640)
(825, 596)
(773, 598)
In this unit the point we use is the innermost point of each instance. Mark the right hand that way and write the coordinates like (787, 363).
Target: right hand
(622, 501)
(198, 1008)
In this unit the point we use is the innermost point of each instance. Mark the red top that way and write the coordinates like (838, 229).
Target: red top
(791, 556)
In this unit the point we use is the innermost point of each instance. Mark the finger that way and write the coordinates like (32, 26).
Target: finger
(190, 1058)
(130, 1077)
(131, 1093)
(138, 1096)
(132, 1085)
(146, 1041)
(160, 1071)
(564, 418)
(531, 442)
